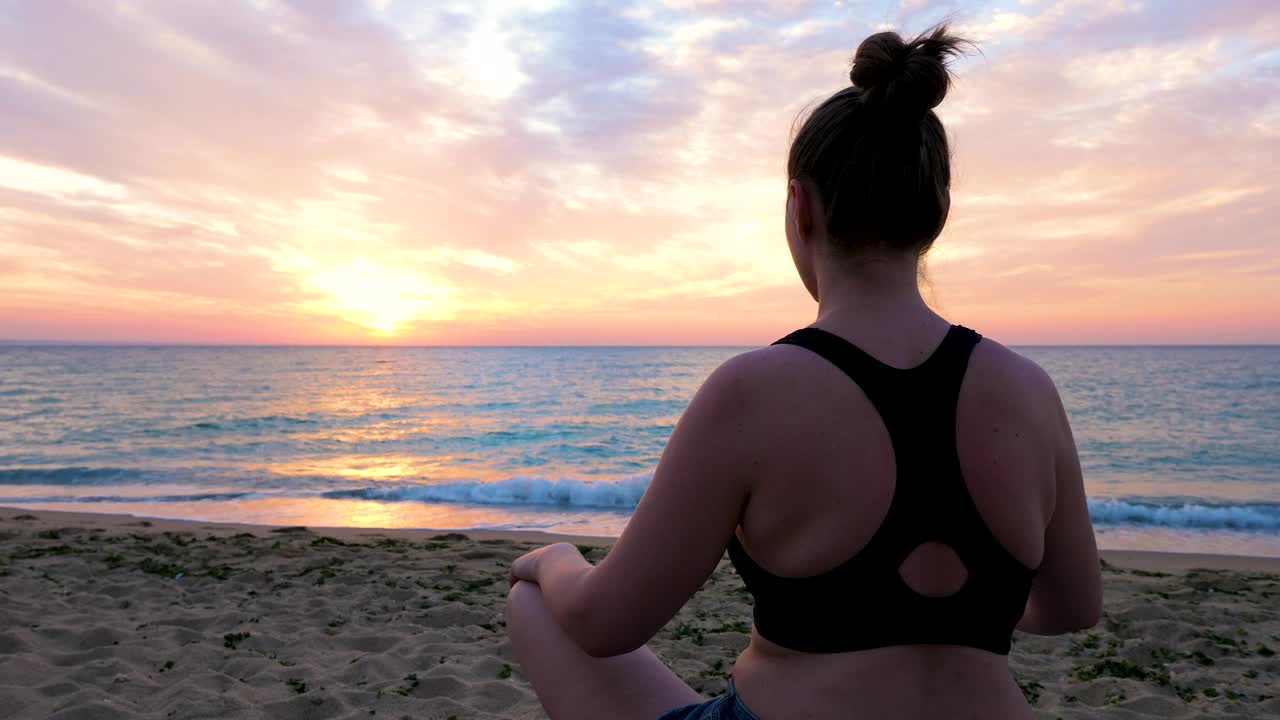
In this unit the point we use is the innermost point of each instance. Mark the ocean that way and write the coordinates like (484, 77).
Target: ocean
(1180, 445)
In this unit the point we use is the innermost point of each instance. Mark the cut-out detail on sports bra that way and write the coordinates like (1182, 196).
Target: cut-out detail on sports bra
(948, 570)
(864, 603)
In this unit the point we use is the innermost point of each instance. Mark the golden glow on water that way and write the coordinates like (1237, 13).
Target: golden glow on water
(326, 513)
(322, 512)
(350, 466)
(381, 468)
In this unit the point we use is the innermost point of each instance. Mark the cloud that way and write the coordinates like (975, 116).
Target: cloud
(573, 167)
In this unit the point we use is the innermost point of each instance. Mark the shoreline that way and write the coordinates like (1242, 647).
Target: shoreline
(1129, 559)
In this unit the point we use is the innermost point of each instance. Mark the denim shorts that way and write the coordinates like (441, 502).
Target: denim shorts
(728, 706)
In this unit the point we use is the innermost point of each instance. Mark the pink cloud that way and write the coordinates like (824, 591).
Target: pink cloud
(571, 172)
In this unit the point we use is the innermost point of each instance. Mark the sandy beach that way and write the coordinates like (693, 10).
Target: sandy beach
(108, 616)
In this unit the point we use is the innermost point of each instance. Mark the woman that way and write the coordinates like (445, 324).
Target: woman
(897, 493)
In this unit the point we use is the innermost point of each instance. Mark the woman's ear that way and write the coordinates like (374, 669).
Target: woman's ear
(801, 232)
(800, 207)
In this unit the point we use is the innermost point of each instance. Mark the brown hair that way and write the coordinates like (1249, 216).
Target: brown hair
(876, 152)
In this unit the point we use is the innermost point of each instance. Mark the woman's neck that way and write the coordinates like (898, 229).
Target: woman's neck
(871, 290)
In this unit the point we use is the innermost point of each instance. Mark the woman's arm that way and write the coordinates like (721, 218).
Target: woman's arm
(1067, 593)
(678, 532)
(560, 566)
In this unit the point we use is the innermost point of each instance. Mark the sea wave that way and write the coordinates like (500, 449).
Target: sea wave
(193, 497)
(533, 491)
(75, 475)
(1256, 516)
(625, 495)
(265, 422)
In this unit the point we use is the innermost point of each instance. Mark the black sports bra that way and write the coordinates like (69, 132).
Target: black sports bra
(864, 603)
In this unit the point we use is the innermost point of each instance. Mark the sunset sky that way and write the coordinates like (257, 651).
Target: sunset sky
(548, 172)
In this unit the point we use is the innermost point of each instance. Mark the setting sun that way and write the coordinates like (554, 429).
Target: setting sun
(379, 298)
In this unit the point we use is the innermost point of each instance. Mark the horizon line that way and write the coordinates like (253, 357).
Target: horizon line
(5, 343)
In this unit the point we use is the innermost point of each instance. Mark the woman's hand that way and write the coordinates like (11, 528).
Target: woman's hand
(530, 566)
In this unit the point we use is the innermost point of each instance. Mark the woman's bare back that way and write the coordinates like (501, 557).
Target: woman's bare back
(824, 485)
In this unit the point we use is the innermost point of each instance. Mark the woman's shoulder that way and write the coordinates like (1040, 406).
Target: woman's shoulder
(755, 387)
(1002, 378)
(764, 380)
(766, 372)
(996, 363)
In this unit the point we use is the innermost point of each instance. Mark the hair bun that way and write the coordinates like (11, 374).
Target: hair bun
(905, 77)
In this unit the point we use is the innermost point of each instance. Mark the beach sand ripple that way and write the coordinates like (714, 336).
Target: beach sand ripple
(114, 617)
